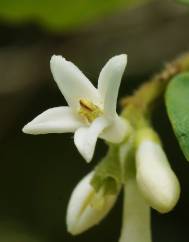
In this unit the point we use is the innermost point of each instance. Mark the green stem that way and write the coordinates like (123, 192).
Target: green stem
(136, 215)
(144, 99)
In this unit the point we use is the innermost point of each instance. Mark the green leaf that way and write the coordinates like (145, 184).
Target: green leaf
(108, 172)
(177, 103)
(183, 1)
(61, 14)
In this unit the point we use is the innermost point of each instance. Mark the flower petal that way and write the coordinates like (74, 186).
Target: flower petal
(109, 82)
(73, 84)
(116, 132)
(54, 120)
(85, 137)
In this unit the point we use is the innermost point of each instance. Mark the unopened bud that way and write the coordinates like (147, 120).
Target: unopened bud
(156, 180)
(87, 207)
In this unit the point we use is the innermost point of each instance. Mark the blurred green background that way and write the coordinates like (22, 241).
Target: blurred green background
(38, 173)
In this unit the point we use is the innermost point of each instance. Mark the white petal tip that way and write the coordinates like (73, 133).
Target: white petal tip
(26, 129)
(120, 60)
(56, 60)
(88, 159)
(33, 128)
(29, 129)
(73, 230)
(122, 57)
(84, 153)
(83, 150)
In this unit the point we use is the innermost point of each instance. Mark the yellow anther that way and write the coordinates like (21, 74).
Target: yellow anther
(88, 110)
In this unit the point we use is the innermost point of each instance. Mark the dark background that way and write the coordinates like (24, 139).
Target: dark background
(38, 173)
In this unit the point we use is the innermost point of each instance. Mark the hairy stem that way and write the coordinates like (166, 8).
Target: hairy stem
(148, 94)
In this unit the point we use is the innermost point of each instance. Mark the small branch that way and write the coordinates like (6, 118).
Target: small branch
(145, 97)
(138, 107)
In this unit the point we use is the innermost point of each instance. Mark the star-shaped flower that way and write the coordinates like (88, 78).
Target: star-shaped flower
(91, 112)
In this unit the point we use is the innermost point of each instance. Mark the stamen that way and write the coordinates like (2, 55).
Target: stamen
(86, 105)
(88, 110)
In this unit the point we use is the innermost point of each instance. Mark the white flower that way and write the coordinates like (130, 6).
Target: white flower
(91, 112)
(156, 180)
(87, 208)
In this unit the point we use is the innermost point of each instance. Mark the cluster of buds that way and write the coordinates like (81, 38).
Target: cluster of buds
(145, 173)
(152, 184)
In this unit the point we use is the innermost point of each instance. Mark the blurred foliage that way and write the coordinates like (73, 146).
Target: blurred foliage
(11, 231)
(61, 14)
(177, 103)
(184, 1)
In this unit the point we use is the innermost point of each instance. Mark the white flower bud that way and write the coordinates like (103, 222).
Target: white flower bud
(87, 208)
(156, 180)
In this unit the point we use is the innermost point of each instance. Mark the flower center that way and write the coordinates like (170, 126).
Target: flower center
(88, 110)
